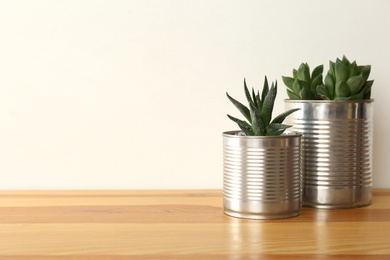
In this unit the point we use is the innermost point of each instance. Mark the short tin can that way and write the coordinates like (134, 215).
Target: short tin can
(262, 175)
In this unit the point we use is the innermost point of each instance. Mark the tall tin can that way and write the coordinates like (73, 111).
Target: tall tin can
(337, 147)
(262, 175)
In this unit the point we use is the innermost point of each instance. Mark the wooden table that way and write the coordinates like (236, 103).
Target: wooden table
(180, 225)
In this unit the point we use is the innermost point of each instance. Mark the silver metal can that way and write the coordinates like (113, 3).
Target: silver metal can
(337, 147)
(262, 175)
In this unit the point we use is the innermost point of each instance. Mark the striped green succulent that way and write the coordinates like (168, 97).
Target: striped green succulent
(346, 81)
(259, 112)
(303, 85)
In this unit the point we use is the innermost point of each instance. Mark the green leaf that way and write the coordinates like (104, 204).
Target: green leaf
(316, 81)
(353, 69)
(330, 86)
(358, 96)
(355, 83)
(341, 71)
(342, 90)
(306, 93)
(268, 104)
(244, 126)
(265, 89)
(276, 129)
(257, 122)
(247, 94)
(332, 68)
(254, 97)
(366, 72)
(317, 71)
(288, 81)
(297, 86)
(295, 73)
(367, 86)
(280, 118)
(243, 109)
(259, 101)
(345, 61)
(292, 95)
(322, 91)
(367, 89)
(304, 72)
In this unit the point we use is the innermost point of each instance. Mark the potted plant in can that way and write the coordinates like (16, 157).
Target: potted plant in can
(336, 122)
(262, 178)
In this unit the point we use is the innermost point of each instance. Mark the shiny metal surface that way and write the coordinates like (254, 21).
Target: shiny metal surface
(336, 151)
(262, 177)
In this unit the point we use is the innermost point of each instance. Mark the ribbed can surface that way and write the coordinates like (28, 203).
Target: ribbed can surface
(262, 177)
(336, 151)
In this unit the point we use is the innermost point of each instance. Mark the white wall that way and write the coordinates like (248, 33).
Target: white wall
(131, 94)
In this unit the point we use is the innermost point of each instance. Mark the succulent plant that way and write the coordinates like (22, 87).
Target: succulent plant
(343, 81)
(303, 85)
(346, 81)
(259, 112)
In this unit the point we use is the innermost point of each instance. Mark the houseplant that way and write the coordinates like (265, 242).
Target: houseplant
(336, 122)
(262, 177)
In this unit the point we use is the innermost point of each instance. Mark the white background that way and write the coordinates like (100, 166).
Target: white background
(131, 94)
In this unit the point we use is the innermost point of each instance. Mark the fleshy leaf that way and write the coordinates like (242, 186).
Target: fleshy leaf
(288, 81)
(243, 109)
(342, 90)
(268, 105)
(280, 118)
(355, 84)
(244, 126)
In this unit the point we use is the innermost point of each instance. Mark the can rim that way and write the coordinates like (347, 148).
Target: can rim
(286, 134)
(329, 101)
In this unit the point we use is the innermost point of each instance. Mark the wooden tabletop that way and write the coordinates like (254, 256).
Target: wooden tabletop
(180, 225)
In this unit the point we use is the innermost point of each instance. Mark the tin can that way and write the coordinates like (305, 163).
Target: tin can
(262, 175)
(337, 147)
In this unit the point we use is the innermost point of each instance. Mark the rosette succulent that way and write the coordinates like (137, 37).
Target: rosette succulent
(303, 85)
(259, 113)
(343, 81)
(346, 81)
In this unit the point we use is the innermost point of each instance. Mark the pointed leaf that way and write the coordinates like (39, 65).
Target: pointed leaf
(341, 90)
(257, 122)
(268, 105)
(280, 118)
(276, 129)
(330, 86)
(355, 83)
(367, 89)
(316, 81)
(346, 61)
(322, 90)
(288, 81)
(247, 94)
(265, 89)
(254, 97)
(306, 93)
(243, 109)
(358, 96)
(297, 86)
(341, 71)
(244, 126)
(295, 73)
(304, 72)
(366, 72)
(332, 68)
(317, 71)
(353, 69)
(292, 95)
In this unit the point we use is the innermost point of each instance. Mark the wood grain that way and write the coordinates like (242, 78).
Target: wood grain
(180, 225)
